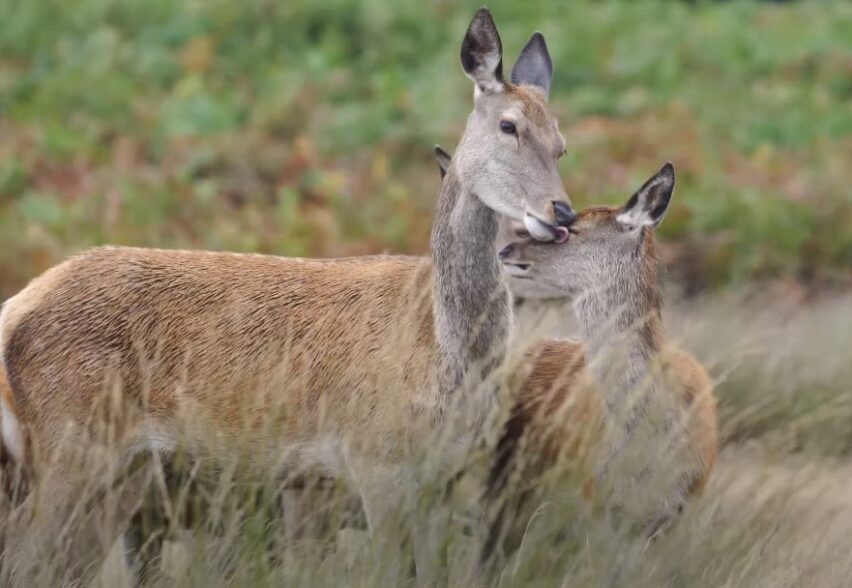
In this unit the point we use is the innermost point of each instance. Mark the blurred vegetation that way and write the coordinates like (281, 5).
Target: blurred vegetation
(304, 128)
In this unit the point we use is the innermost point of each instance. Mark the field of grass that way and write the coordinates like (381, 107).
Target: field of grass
(305, 128)
(777, 513)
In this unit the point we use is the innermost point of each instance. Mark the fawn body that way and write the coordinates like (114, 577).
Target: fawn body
(624, 403)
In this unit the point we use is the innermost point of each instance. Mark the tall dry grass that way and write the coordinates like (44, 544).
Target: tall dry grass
(778, 511)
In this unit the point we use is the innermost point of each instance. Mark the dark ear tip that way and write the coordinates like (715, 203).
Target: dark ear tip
(538, 43)
(482, 20)
(667, 170)
(483, 14)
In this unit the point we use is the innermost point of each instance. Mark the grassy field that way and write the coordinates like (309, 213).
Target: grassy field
(777, 513)
(305, 128)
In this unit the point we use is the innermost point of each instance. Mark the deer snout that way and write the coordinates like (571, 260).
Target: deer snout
(541, 230)
(564, 214)
(511, 257)
(506, 252)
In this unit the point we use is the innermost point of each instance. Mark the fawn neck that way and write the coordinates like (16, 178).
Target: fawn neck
(622, 326)
(472, 312)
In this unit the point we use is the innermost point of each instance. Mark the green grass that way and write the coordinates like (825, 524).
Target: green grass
(304, 127)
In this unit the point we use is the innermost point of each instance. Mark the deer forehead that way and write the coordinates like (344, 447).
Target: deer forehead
(530, 102)
(596, 215)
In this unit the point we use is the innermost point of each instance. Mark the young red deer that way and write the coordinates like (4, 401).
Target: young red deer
(638, 410)
(342, 364)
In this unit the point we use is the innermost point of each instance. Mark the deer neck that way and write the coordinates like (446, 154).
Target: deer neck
(623, 334)
(471, 305)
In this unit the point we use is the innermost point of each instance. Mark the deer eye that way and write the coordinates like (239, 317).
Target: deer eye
(508, 127)
(522, 234)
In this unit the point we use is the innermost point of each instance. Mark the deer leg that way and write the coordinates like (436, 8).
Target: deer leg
(382, 494)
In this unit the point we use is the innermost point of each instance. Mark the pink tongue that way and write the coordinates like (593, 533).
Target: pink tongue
(560, 234)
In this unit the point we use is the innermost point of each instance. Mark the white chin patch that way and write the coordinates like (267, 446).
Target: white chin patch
(516, 271)
(537, 229)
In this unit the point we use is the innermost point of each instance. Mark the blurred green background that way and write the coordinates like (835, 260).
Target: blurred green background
(305, 128)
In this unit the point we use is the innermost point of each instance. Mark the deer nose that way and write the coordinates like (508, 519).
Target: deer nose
(506, 251)
(565, 215)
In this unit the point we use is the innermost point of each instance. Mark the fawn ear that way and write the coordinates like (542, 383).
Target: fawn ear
(534, 67)
(482, 53)
(647, 207)
(443, 158)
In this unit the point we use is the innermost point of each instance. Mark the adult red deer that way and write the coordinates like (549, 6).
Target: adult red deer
(338, 364)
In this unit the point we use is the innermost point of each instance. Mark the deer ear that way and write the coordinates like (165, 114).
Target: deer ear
(482, 53)
(648, 206)
(443, 159)
(534, 67)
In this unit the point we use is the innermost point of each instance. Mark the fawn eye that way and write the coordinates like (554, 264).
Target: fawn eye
(508, 127)
(522, 234)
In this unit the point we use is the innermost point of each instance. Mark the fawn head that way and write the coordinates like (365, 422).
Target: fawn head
(604, 243)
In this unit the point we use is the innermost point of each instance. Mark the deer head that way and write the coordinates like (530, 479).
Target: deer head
(604, 244)
(511, 145)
